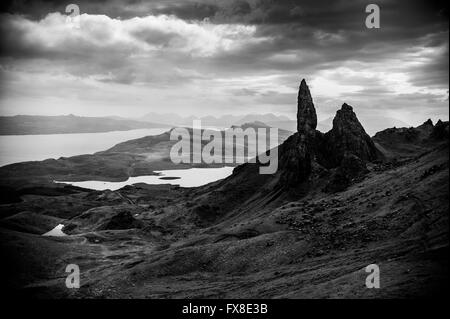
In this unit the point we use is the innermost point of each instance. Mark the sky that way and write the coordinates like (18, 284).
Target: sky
(216, 57)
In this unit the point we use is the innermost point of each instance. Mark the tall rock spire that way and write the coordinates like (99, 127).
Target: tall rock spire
(298, 151)
(300, 158)
(306, 113)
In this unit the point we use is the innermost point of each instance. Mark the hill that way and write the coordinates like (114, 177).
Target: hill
(64, 124)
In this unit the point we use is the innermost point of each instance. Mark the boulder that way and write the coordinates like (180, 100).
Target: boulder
(121, 220)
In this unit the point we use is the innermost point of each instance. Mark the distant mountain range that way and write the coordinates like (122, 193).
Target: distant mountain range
(372, 123)
(222, 121)
(32, 124)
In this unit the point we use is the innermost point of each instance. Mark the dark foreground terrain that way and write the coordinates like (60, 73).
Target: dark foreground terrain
(339, 202)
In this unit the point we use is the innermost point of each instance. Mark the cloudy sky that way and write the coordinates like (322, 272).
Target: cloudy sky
(214, 57)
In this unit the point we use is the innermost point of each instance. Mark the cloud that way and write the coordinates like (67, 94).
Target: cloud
(132, 50)
(54, 36)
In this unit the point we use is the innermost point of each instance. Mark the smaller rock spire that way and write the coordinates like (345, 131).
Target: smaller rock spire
(348, 137)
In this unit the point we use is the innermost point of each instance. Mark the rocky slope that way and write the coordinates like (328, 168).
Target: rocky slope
(307, 231)
(407, 142)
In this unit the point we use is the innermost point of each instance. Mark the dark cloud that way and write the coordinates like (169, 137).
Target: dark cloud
(189, 10)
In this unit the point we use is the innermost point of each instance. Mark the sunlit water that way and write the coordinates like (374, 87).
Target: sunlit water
(57, 231)
(191, 177)
(21, 148)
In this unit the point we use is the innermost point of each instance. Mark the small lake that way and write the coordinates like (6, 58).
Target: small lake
(56, 232)
(22, 148)
(191, 177)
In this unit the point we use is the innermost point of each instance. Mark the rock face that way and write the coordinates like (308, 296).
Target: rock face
(292, 162)
(347, 137)
(306, 128)
(350, 169)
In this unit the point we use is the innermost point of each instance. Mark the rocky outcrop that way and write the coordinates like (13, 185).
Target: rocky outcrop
(347, 137)
(440, 130)
(121, 220)
(346, 146)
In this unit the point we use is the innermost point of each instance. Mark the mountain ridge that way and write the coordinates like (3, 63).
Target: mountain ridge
(67, 124)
